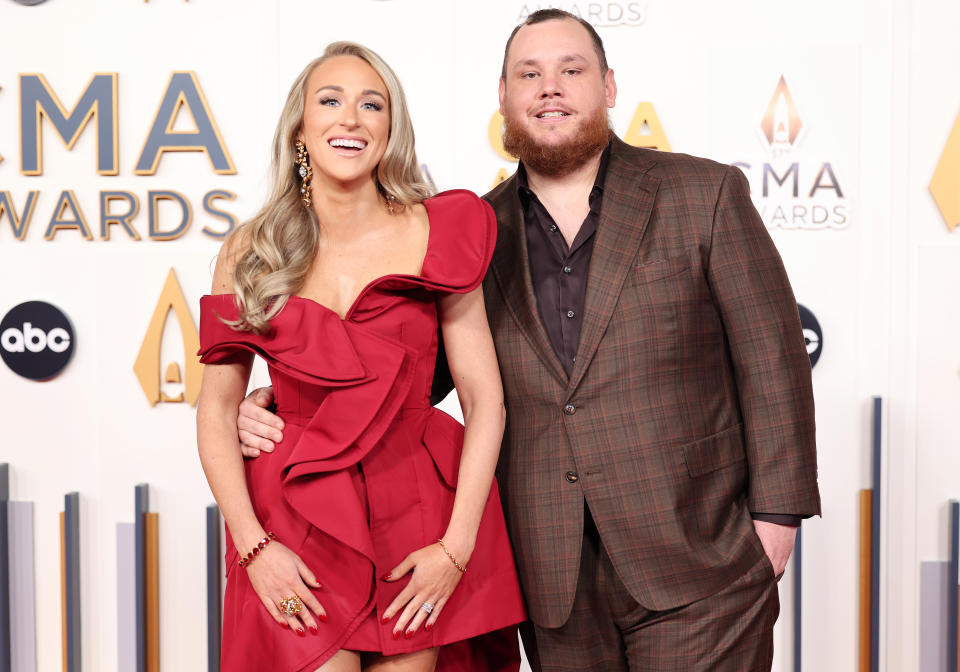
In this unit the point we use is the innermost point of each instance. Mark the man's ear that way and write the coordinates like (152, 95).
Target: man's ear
(502, 92)
(610, 88)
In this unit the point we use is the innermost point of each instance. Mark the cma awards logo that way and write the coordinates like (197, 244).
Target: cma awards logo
(183, 122)
(599, 14)
(183, 376)
(792, 192)
(645, 130)
(945, 184)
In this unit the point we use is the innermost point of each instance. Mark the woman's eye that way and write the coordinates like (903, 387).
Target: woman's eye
(374, 107)
(329, 102)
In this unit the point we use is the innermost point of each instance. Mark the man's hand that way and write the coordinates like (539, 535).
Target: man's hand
(777, 542)
(258, 428)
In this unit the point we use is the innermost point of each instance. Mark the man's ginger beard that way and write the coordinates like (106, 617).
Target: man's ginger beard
(558, 160)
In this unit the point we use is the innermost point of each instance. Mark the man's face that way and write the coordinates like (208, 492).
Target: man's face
(554, 89)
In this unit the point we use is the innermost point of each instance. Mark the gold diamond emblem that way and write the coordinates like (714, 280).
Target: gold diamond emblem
(781, 125)
(945, 185)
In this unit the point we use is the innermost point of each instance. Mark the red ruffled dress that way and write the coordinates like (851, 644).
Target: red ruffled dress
(367, 470)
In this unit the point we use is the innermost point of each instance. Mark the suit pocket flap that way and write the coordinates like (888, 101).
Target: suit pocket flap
(443, 439)
(715, 451)
(659, 269)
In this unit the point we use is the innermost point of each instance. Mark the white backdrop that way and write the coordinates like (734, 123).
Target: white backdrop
(874, 85)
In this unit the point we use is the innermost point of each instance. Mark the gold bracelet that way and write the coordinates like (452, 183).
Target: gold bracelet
(463, 570)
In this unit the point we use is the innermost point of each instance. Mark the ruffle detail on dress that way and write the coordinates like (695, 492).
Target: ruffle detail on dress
(463, 232)
(291, 349)
(363, 399)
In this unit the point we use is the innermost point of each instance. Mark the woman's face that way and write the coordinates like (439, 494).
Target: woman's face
(346, 120)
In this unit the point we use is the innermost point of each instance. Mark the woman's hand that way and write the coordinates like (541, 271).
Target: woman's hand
(278, 573)
(434, 580)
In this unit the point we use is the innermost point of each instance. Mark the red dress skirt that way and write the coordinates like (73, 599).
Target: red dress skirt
(367, 470)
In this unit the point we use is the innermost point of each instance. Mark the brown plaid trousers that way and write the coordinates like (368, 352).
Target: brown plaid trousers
(690, 401)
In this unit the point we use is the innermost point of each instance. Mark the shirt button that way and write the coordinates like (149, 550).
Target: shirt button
(567, 269)
(570, 313)
(553, 227)
(569, 409)
(571, 477)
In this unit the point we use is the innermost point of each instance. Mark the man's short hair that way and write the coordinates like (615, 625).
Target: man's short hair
(551, 14)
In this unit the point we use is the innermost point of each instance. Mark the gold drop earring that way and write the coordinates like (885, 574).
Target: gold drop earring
(304, 171)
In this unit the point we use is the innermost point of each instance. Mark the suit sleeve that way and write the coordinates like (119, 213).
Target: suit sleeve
(767, 350)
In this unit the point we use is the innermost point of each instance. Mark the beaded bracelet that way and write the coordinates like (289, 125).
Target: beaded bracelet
(463, 570)
(256, 550)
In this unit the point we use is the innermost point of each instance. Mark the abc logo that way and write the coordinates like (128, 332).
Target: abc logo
(36, 340)
(812, 334)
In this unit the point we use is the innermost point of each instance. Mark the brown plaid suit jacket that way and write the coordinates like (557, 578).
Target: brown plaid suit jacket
(690, 401)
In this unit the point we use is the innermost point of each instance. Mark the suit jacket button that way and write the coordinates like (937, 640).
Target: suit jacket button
(572, 476)
(569, 409)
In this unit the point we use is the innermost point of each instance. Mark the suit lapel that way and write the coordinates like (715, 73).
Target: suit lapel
(628, 198)
(511, 269)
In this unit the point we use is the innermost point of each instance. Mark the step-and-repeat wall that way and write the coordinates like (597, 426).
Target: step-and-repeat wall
(135, 134)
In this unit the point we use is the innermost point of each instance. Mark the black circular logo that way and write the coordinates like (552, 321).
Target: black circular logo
(28, 2)
(812, 334)
(36, 340)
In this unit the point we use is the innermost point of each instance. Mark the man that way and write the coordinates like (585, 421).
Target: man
(659, 450)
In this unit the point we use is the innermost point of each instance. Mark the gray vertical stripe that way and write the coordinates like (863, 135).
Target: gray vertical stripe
(213, 589)
(141, 504)
(798, 602)
(71, 510)
(952, 583)
(934, 577)
(4, 569)
(875, 537)
(126, 597)
(23, 629)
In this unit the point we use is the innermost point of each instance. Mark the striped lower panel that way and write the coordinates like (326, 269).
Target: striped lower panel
(126, 597)
(23, 628)
(934, 580)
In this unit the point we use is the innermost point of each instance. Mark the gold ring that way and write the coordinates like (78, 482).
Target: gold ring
(291, 606)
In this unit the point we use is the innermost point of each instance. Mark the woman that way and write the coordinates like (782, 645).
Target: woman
(366, 540)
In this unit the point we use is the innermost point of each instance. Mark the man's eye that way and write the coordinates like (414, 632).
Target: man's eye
(572, 71)
(528, 75)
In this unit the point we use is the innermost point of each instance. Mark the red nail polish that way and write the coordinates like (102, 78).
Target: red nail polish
(427, 627)
(384, 619)
(313, 630)
(408, 634)
(319, 586)
(388, 576)
(322, 617)
(396, 634)
(301, 631)
(285, 626)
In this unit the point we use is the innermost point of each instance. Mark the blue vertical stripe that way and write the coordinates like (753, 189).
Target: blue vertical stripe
(798, 602)
(5, 646)
(71, 525)
(141, 504)
(213, 588)
(952, 584)
(875, 538)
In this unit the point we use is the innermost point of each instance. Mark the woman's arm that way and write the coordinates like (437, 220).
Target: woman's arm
(473, 364)
(277, 572)
(476, 377)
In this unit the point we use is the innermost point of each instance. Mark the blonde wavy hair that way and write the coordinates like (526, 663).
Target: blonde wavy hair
(274, 249)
